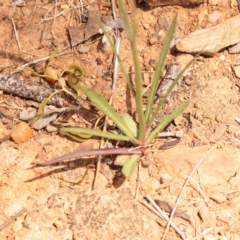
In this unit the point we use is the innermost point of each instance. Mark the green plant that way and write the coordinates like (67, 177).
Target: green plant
(140, 135)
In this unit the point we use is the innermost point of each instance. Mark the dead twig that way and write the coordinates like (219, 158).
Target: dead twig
(16, 35)
(164, 216)
(27, 89)
(37, 61)
(12, 219)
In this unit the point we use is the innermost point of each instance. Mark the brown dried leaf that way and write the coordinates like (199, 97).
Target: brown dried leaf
(81, 34)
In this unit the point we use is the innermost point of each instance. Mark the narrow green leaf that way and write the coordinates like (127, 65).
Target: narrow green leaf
(77, 131)
(121, 159)
(166, 120)
(158, 71)
(76, 135)
(104, 106)
(41, 107)
(131, 124)
(132, 37)
(116, 54)
(39, 73)
(127, 25)
(168, 92)
(130, 166)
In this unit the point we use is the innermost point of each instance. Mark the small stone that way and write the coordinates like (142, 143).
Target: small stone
(21, 133)
(213, 2)
(146, 78)
(218, 118)
(146, 26)
(4, 133)
(236, 70)
(213, 17)
(222, 57)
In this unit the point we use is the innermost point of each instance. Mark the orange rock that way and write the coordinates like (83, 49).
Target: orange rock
(21, 133)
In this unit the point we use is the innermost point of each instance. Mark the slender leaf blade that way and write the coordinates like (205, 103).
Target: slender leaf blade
(130, 166)
(121, 159)
(158, 71)
(131, 124)
(166, 120)
(41, 107)
(168, 92)
(75, 131)
(104, 106)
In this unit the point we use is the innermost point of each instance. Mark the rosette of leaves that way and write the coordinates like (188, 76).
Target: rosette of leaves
(139, 134)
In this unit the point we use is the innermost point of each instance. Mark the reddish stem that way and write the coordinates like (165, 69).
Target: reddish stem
(104, 151)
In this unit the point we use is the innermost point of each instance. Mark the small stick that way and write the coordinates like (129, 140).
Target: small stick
(19, 69)
(16, 35)
(138, 181)
(117, 47)
(12, 219)
(152, 209)
(164, 215)
(115, 69)
(180, 194)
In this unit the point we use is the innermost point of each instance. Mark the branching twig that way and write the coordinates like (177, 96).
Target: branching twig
(164, 215)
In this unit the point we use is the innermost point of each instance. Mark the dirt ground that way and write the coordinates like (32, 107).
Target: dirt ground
(58, 201)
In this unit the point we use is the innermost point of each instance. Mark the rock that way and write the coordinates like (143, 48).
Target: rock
(210, 40)
(21, 133)
(218, 167)
(236, 70)
(235, 48)
(4, 133)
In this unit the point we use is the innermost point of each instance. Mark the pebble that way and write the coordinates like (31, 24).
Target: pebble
(21, 133)
(146, 78)
(213, 17)
(236, 70)
(218, 118)
(213, 2)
